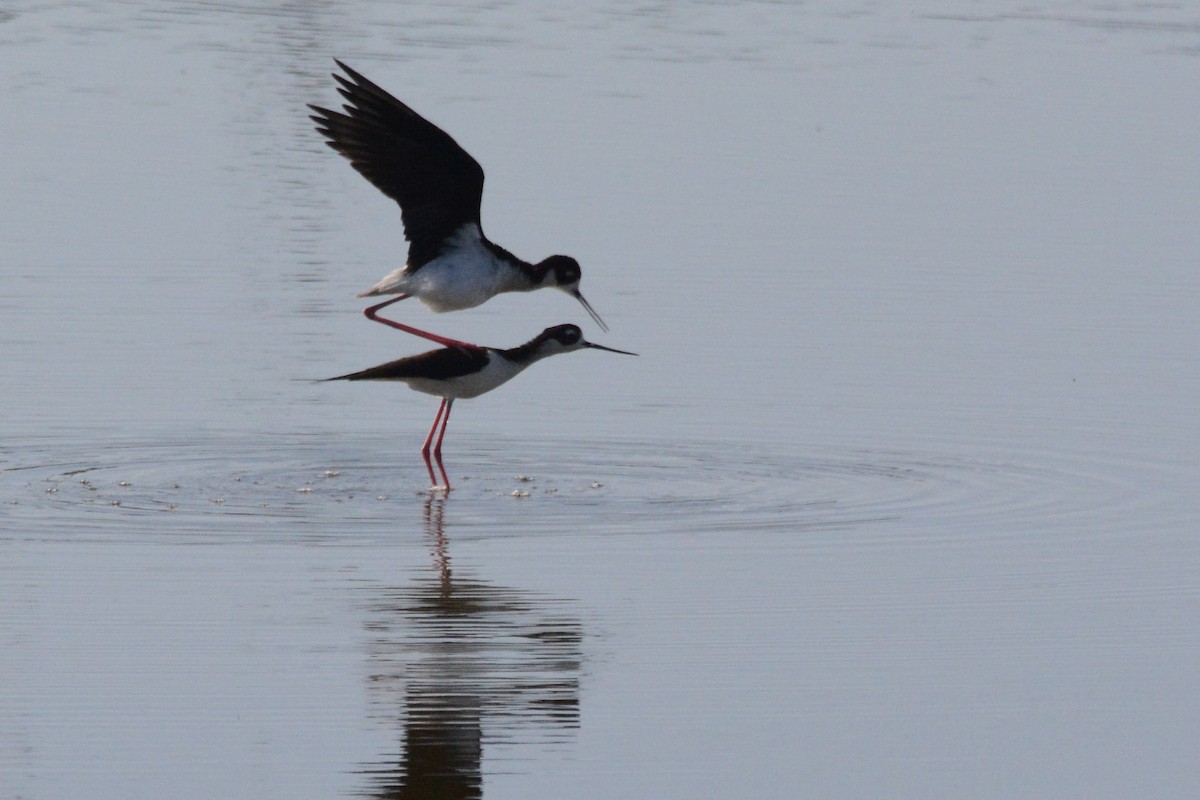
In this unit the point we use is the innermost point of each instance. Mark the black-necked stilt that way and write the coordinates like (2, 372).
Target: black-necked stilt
(451, 264)
(455, 372)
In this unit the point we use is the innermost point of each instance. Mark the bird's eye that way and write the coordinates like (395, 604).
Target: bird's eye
(568, 273)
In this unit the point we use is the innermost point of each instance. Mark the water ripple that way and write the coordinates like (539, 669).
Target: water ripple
(328, 487)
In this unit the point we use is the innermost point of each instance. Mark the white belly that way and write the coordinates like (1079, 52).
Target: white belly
(466, 275)
(499, 370)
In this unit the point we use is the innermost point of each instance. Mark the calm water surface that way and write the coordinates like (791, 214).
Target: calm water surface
(899, 499)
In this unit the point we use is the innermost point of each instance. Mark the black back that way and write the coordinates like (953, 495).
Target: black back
(438, 185)
(447, 362)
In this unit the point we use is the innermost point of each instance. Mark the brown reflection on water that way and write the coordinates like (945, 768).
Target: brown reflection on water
(462, 663)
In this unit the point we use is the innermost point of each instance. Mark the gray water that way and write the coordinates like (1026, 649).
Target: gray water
(900, 499)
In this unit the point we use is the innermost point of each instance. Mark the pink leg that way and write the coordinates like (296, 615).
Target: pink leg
(437, 448)
(442, 467)
(372, 314)
(441, 418)
(432, 480)
(436, 420)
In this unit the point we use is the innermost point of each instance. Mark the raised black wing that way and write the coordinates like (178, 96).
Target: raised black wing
(438, 185)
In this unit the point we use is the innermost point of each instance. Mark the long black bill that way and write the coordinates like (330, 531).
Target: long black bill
(588, 306)
(609, 349)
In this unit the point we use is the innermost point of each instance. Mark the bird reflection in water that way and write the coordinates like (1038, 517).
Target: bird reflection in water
(468, 663)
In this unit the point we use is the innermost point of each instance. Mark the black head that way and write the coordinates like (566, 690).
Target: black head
(564, 272)
(561, 271)
(565, 338)
(566, 335)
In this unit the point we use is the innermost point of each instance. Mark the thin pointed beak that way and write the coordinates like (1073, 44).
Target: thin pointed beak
(590, 310)
(609, 349)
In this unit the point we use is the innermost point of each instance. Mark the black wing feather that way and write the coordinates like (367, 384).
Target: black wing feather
(448, 362)
(438, 185)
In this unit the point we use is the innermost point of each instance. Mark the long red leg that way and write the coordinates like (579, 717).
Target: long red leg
(436, 420)
(445, 478)
(437, 448)
(372, 314)
(441, 418)
(432, 480)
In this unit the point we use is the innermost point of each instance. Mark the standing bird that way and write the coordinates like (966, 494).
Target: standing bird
(439, 186)
(455, 372)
